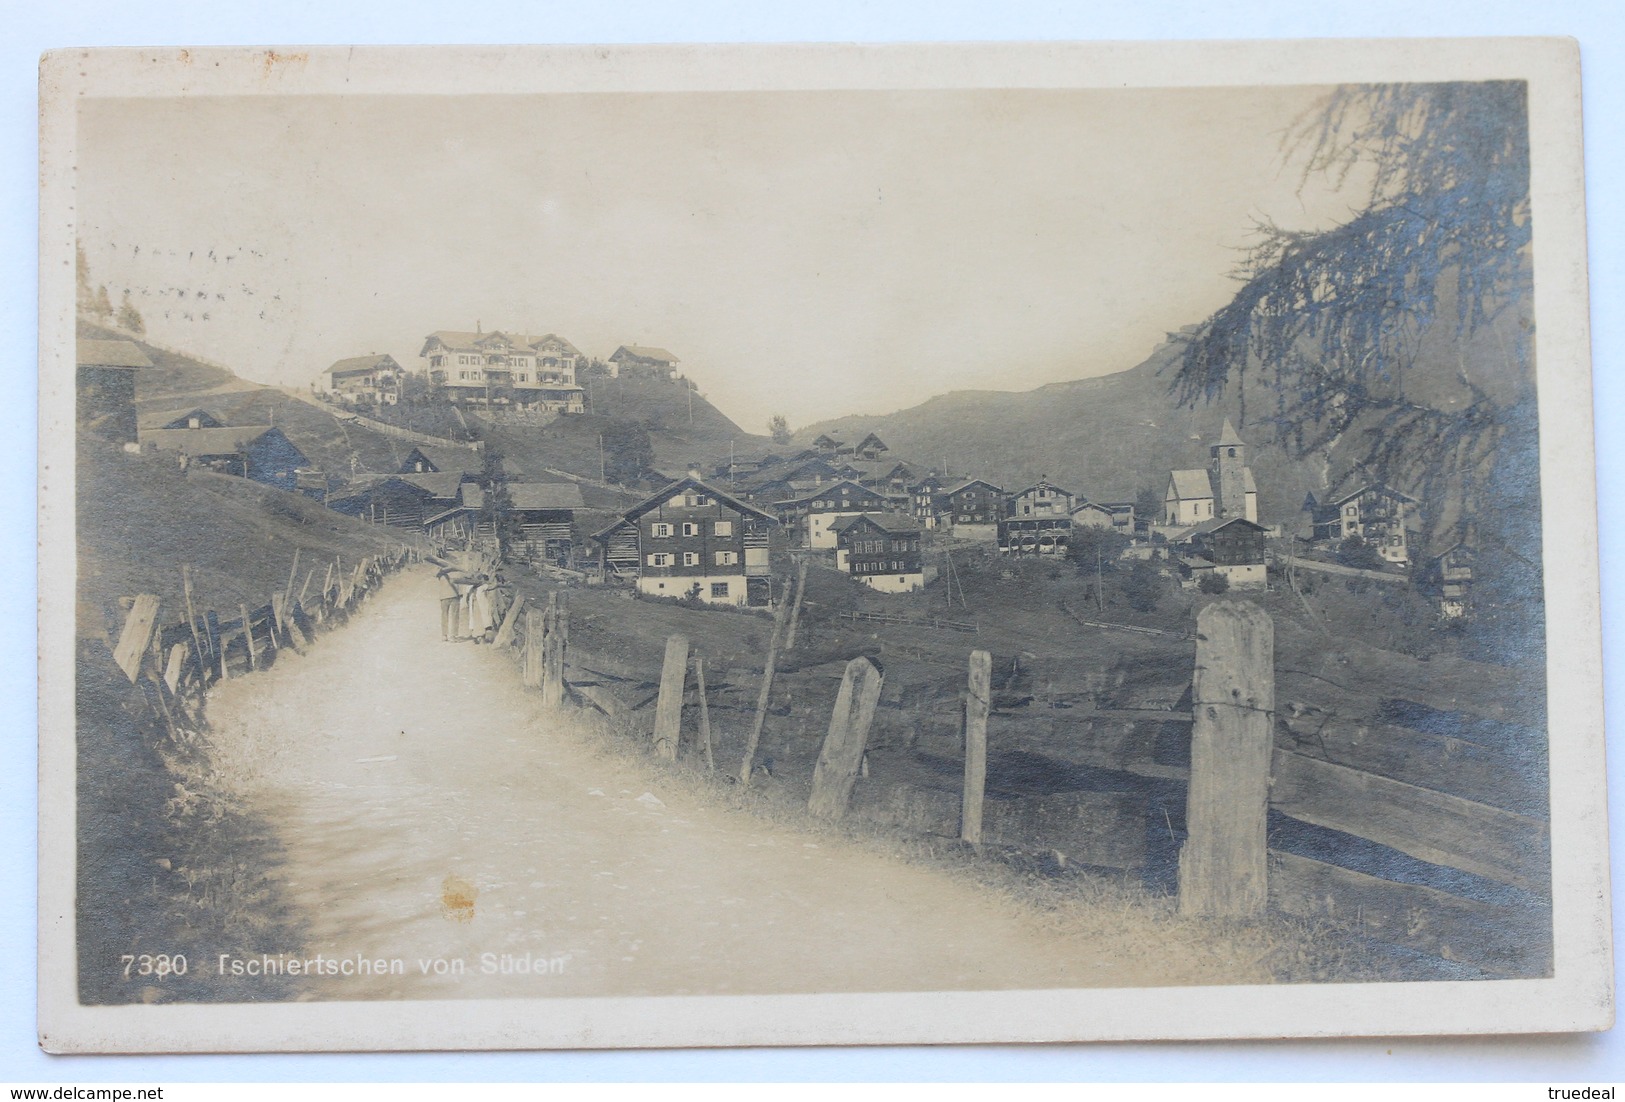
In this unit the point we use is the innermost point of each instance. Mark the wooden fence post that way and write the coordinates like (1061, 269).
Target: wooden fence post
(136, 638)
(763, 696)
(248, 638)
(191, 619)
(669, 711)
(555, 636)
(705, 714)
(978, 696)
(795, 610)
(1223, 867)
(842, 753)
(504, 636)
(530, 671)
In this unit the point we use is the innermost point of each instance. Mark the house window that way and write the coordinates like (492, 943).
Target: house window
(690, 528)
(660, 531)
(719, 589)
(691, 558)
(659, 559)
(723, 528)
(727, 558)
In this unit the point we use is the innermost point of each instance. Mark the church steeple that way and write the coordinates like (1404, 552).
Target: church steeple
(1230, 475)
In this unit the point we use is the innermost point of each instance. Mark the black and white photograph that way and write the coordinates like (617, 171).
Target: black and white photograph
(578, 547)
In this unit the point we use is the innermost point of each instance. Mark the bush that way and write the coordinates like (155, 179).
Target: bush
(1214, 584)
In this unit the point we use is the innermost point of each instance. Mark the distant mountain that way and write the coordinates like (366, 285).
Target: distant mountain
(1104, 438)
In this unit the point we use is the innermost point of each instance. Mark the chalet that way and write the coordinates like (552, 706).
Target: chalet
(370, 380)
(870, 447)
(433, 459)
(1232, 548)
(1224, 490)
(1039, 521)
(544, 511)
(1376, 513)
(974, 508)
(881, 550)
(691, 540)
(444, 487)
(105, 384)
(181, 419)
(828, 444)
(813, 514)
(392, 500)
(926, 502)
(505, 369)
(260, 453)
(634, 360)
(1116, 515)
(1448, 578)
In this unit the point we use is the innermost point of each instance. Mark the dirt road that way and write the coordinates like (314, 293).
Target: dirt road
(435, 816)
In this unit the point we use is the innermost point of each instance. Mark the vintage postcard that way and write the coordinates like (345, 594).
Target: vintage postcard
(602, 547)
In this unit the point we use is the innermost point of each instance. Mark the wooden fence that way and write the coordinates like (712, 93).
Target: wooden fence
(178, 660)
(1350, 811)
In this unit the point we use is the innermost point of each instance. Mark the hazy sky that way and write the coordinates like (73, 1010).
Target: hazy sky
(811, 253)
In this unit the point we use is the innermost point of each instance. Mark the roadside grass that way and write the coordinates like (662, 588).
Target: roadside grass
(1091, 907)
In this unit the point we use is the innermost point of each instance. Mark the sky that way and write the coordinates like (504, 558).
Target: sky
(807, 253)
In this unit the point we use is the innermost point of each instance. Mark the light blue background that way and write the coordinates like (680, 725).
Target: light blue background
(28, 28)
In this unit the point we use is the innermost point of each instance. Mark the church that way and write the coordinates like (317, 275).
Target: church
(1224, 491)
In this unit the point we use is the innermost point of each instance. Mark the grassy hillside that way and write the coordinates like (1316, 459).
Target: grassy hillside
(682, 435)
(1104, 438)
(140, 518)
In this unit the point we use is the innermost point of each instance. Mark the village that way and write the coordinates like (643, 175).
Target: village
(709, 533)
(728, 597)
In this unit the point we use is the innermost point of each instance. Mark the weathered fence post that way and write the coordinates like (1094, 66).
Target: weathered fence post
(978, 696)
(530, 671)
(669, 711)
(504, 636)
(248, 638)
(795, 609)
(1223, 867)
(556, 634)
(762, 697)
(705, 713)
(191, 620)
(842, 753)
(136, 637)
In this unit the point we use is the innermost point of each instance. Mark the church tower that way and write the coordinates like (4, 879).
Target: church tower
(1234, 492)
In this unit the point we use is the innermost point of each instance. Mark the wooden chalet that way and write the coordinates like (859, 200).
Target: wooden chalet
(105, 388)
(261, 453)
(691, 540)
(399, 501)
(373, 380)
(632, 360)
(1233, 548)
(1376, 513)
(811, 515)
(1448, 578)
(881, 550)
(545, 512)
(870, 447)
(974, 508)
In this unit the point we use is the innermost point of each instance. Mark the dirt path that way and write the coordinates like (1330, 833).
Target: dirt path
(432, 813)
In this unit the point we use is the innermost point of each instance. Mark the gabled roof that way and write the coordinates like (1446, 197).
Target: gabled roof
(872, 443)
(825, 440)
(1044, 487)
(894, 523)
(362, 363)
(94, 353)
(536, 496)
(965, 483)
(1370, 487)
(554, 339)
(177, 418)
(682, 485)
(444, 458)
(1101, 507)
(207, 442)
(439, 483)
(831, 488)
(1191, 485)
(643, 352)
(1207, 527)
